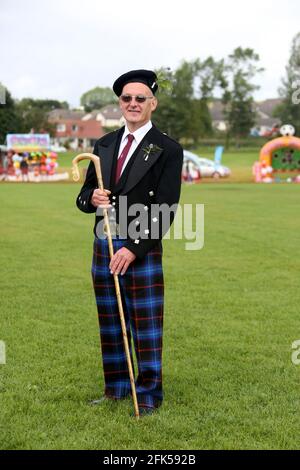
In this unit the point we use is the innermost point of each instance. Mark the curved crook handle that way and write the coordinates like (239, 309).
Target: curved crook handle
(87, 156)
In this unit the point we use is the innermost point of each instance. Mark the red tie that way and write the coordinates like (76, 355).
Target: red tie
(123, 156)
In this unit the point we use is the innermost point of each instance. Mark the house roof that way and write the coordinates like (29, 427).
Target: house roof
(264, 111)
(267, 106)
(58, 114)
(111, 111)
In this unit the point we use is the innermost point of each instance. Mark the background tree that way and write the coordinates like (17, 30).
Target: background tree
(184, 114)
(173, 114)
(180, 113)
(235, 79)
(208, 77)
(9, 120)
(97, 98)
(289, 110)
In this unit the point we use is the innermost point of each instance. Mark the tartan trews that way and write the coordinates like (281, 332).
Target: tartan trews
(142, 291)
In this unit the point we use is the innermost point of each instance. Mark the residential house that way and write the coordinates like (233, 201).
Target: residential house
(217, 116)
(265, 122)
(109, 116)
(74, 129)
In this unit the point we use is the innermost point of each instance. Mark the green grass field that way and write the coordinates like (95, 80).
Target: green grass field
(231, 315)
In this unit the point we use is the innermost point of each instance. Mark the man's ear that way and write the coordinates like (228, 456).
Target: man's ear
(154, 104)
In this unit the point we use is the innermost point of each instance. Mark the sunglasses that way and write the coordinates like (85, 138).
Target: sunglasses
(138, 98)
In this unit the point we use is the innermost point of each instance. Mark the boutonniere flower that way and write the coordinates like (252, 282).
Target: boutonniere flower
(149, 150)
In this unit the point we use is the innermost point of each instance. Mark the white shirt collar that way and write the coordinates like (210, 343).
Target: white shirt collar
(139, 134)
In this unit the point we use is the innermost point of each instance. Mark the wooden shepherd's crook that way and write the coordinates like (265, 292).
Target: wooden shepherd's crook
(76, 176)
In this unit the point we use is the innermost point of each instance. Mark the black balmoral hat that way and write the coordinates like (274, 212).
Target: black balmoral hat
(147, 77)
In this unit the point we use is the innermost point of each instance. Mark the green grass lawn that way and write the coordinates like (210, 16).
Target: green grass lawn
(231, 315)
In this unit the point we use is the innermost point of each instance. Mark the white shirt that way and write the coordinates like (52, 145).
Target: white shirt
(138, 135)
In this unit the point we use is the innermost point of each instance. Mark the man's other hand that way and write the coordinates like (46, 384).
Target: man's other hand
(121, 260)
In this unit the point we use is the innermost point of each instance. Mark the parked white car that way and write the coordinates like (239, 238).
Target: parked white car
(206, 167)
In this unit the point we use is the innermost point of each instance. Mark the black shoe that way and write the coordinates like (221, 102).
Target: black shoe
(145, 411)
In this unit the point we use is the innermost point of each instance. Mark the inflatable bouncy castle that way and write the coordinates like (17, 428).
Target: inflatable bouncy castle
(279, 159)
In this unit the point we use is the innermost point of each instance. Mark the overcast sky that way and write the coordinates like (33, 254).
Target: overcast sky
(61, 48)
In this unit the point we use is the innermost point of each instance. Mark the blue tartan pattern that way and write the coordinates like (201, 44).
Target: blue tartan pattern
(142, 290)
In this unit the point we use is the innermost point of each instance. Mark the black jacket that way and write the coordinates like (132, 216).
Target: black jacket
(148, 180)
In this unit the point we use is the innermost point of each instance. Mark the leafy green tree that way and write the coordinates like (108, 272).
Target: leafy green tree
(97, 98)
(9, 120)
(179, 112)
(289, 110)
(202, 119)
(208, 77)
(45, 104)
(183, 95)
(235, 79)
(183, 110)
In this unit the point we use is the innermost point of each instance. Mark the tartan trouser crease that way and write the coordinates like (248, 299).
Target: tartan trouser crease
(142, 290)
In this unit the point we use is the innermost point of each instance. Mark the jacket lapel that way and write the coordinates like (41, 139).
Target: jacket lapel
(142, 163)
(106, 153)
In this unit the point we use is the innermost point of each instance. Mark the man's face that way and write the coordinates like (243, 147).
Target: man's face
(137, 114)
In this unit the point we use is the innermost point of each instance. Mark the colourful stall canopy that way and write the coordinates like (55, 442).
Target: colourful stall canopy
(28, 142)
